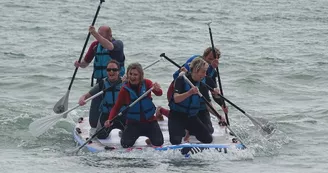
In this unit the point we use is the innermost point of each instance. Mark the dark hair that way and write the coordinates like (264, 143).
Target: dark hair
(114, 62)
(209, 50)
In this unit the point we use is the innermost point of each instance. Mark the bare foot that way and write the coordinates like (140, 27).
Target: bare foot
(158, 114)
(148, 142)
(187, 136)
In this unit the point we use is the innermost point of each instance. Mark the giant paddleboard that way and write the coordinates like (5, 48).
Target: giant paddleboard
(222, 141)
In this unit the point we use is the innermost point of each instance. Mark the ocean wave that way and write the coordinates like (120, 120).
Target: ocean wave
(15, 55)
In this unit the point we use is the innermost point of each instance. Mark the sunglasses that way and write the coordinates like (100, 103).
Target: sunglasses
(112, 69)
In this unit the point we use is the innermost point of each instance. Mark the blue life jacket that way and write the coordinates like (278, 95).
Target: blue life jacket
(109, 97)
(144, 107)
(100, 63)
(191, 105)
(210, 71)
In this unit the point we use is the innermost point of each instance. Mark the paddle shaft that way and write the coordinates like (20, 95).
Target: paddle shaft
(121, 113)
(177, 65)
(201, 95)
(217, 70)
(212, 108)
(169, 59)
(211, 89)
(92, 97)
(241, 110)
(85, 44)
(152, 64)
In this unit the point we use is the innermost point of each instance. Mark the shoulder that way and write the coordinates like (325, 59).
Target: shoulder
(102, 83)
(187, 64)
(179, 81)
(148, 83)
(117, 43)
(125, 85)
(192, 58)
(94, 43)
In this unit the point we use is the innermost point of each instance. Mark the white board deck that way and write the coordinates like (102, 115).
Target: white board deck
(221, 140)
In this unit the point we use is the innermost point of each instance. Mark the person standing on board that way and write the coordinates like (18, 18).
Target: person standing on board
(210, 80)
(187, 107)
(108, 100)
(104, 49)
(140, 117)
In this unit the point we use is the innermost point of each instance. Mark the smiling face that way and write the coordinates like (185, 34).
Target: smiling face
(112, 72)
(135, 73)
(134, 76)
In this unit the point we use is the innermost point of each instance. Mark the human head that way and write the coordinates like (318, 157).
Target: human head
(106, 32)
(208, 55)
(198, 68)
(113, 70)
(135, 73)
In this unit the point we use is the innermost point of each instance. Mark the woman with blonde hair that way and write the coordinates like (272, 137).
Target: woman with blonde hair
(140, 117)
(186, 106)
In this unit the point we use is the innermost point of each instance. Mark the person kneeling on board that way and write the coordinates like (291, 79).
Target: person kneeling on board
(107, 101)
(209, 79)
(186, 106)
(140, 117)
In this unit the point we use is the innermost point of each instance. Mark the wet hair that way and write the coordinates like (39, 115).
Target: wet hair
(197, 64)
(114, 62)
(138, 67)
(209, 50)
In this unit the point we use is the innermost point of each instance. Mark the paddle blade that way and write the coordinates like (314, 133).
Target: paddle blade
(269, 128)
(265, 125)
(38, 127)
(73, 152)
(62, 105)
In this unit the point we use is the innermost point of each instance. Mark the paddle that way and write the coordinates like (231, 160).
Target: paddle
(217, 70)
(152, 63)
(210, 106)
(62, 104)
(268, 129)
(120, 114)
(41, 125)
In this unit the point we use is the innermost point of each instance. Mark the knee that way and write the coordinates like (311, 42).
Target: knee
(104, 134)
(211, 129)
(207, 140)
(175, 140)
(158, 142)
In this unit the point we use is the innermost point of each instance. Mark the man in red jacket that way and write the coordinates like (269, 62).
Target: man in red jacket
(140, 117)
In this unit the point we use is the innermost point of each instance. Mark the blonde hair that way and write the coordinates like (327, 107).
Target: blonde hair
(138, 67)
(209, 50)
(197, 63)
